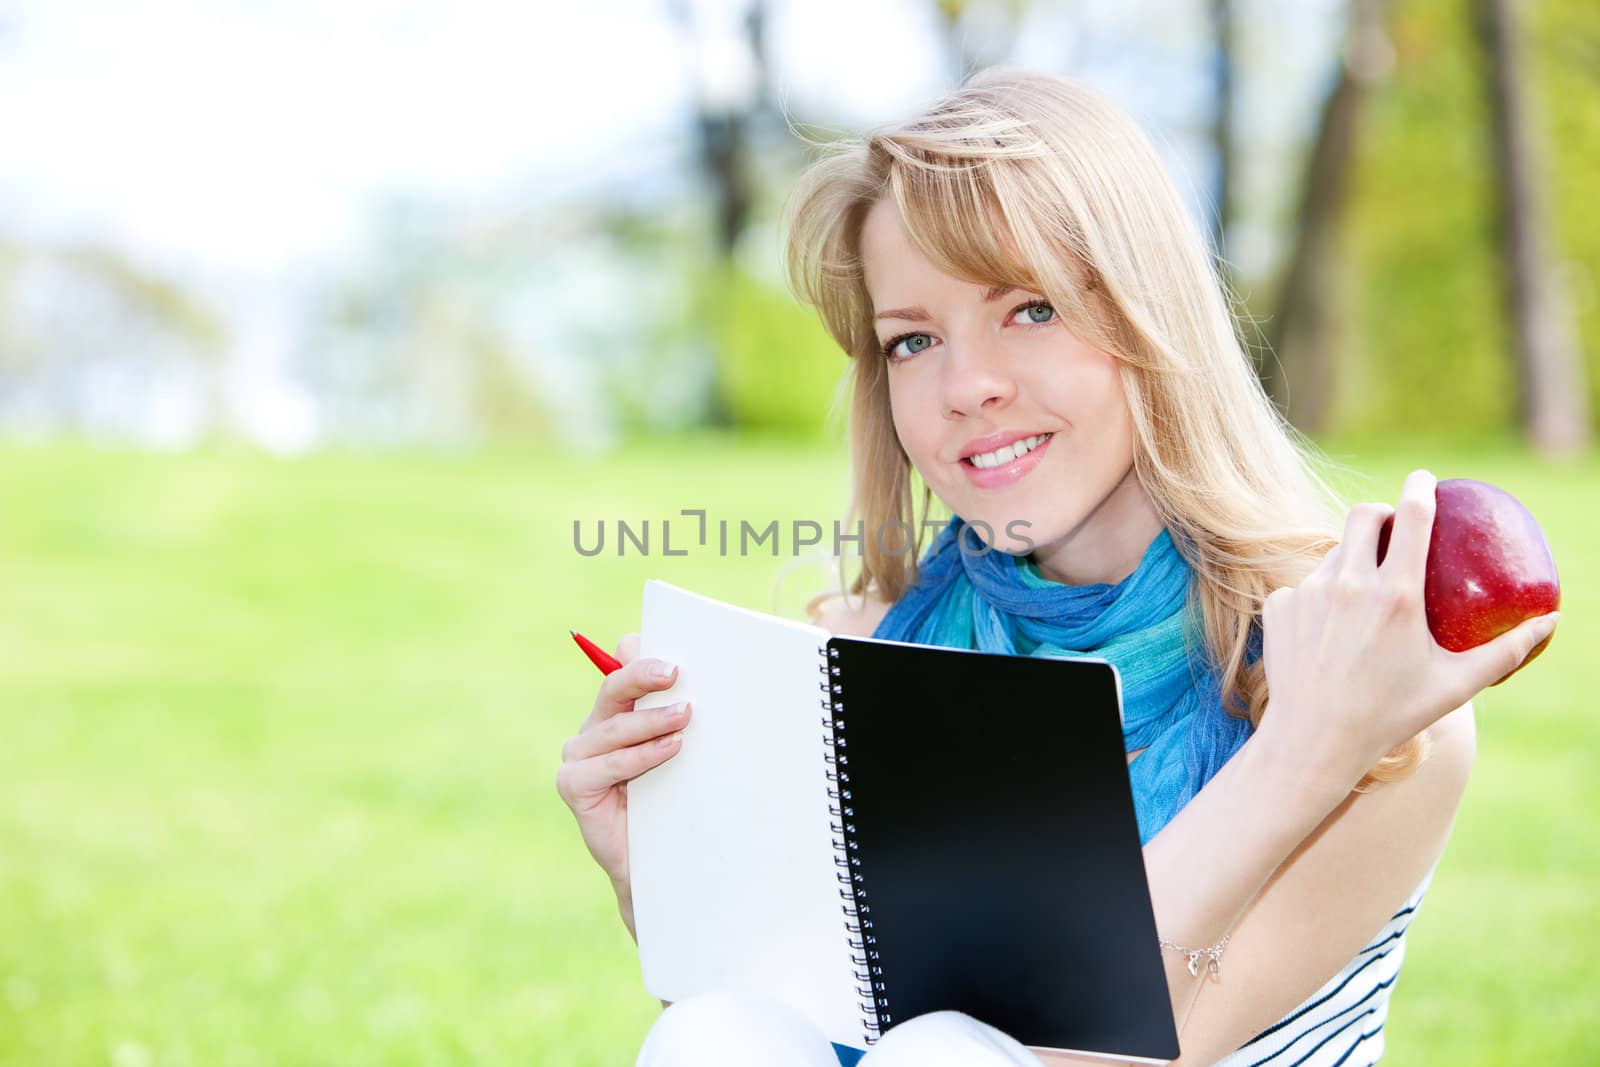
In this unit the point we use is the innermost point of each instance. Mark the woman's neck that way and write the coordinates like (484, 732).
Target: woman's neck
(1108, 544)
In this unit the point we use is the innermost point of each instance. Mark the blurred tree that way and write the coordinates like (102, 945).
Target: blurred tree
(1432, 344)
(93, 343)
(779, 367)
(1224, 49)
(421, 341)
(1301, 331)
(730, 78)
(1427, 350)
(1563, 48)
(732, 94)
(1553, 397)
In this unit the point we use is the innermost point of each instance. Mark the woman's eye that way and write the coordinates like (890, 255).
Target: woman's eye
(1038, 314)
(908, 345)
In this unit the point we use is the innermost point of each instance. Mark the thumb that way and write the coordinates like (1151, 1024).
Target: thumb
(628, 648)
(1494, 661)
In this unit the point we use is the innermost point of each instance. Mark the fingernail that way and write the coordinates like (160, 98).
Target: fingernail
(660, 670)
(676, 711)
(669, 740)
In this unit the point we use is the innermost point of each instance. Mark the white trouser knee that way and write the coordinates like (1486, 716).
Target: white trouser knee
(734, 1030)
(948, 1039)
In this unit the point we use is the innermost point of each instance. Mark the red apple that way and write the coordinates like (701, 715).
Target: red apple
(1489, 567)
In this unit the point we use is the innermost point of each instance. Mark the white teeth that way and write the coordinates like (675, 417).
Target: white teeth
(1007, 453)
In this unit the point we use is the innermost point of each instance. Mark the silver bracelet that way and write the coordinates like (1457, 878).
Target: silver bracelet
(1213, 956)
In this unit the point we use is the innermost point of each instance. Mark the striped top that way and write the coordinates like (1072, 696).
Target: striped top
(1341, 1023)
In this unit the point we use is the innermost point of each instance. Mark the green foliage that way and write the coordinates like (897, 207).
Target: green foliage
(1432, 348)
(1564, 44)
(777, 367)
(281, 738)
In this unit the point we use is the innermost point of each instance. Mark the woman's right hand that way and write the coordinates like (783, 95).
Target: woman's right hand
(615, 745)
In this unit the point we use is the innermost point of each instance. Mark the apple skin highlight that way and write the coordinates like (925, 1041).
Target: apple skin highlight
(1489, 567)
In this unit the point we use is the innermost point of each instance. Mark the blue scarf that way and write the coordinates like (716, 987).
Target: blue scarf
(1172, 704)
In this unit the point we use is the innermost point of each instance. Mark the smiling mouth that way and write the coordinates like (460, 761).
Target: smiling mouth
(1006, 453)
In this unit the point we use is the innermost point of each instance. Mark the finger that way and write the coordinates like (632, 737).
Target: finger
(1273, 606)
(628, 683)
(1492, 661)
(593, 776)
(622, 731)
(1277, 620)
(1360, 544)
(628, 648)
(1413, 527)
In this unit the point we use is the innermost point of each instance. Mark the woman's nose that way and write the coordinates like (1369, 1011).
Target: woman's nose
(975, 379)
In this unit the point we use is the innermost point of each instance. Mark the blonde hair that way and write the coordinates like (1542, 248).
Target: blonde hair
(1042, 183)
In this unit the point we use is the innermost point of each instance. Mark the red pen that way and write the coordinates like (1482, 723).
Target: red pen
(597, 655)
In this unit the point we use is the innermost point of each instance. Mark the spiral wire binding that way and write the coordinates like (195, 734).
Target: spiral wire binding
(864, 961)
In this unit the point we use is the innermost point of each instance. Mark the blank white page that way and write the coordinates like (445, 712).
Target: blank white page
(730, 848)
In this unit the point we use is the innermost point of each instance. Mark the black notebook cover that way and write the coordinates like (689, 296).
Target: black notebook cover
(989, 826)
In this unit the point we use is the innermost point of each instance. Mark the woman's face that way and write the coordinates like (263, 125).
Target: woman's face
(975, 377)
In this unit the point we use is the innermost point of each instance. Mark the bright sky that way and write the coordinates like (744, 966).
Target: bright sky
(248, 132)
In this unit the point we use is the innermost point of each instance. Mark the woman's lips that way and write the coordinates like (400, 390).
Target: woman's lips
(1007, 473)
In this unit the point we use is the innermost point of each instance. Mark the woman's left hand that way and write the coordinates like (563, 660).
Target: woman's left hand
(1352, 668)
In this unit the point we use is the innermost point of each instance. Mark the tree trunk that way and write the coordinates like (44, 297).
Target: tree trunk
(725, 112)
(1300, 334)
(728, 110)
(723, 153)
(1553, 395)
(1222, 122)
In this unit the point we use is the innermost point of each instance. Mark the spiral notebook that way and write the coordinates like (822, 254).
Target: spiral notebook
(870, 830)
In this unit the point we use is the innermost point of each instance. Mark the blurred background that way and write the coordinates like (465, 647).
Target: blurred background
(325, 330)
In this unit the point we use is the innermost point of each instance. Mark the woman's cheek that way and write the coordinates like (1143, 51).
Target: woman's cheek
(906, 429)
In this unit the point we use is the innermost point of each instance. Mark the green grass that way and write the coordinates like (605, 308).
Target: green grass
(280, 737)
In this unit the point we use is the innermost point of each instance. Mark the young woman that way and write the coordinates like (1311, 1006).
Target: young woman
(1038, 336)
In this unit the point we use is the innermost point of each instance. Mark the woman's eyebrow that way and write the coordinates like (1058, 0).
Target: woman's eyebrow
(920, 314)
